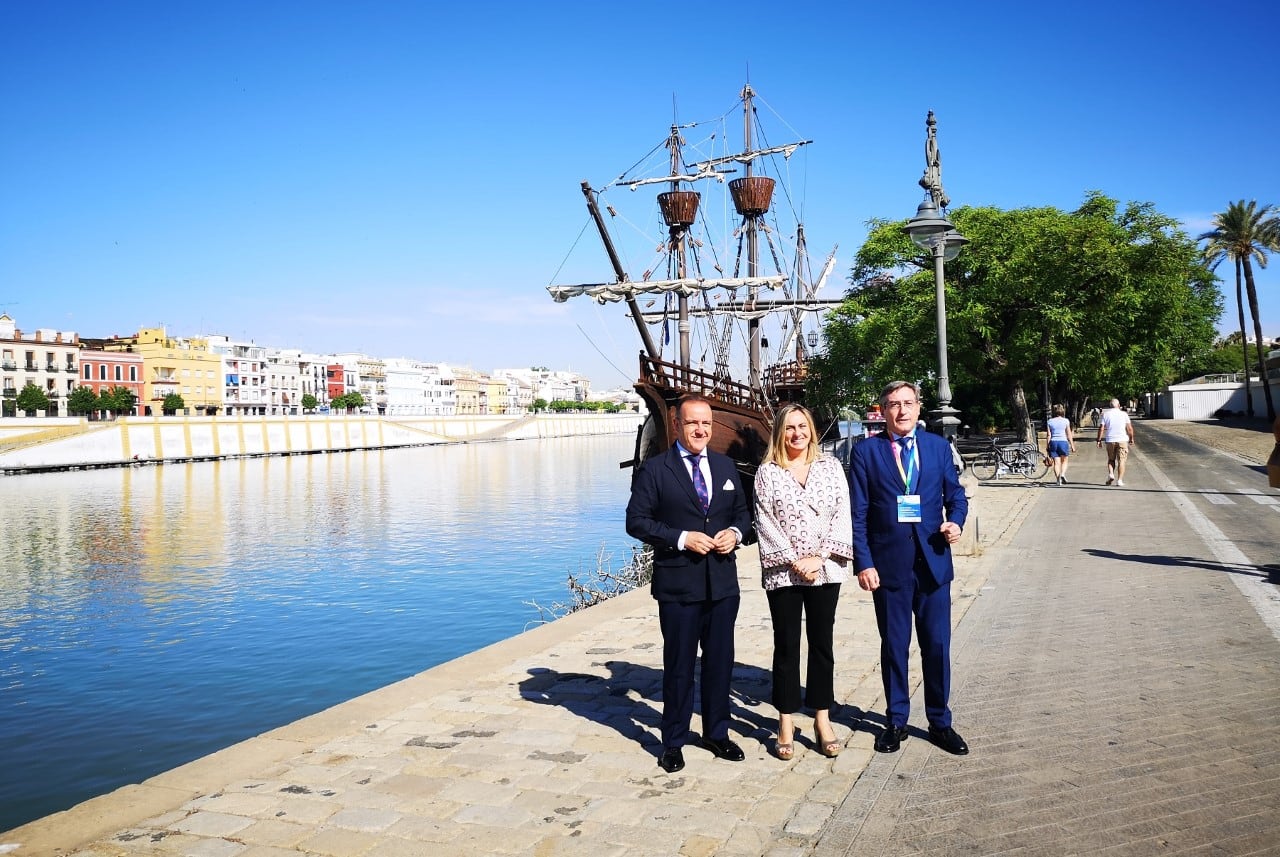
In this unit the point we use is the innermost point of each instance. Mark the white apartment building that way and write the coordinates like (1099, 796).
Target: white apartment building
(551, 385)
(49, 359)
(441, 399)
(311, 374)
(283, 381)
(244, 376)
(406, 387)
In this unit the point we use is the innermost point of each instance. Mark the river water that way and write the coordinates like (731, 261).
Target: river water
(149, 616)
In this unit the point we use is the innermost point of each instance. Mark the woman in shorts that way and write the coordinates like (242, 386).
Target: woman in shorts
(1061, 443)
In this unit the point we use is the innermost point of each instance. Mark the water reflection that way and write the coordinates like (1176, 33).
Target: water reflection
(151, 615)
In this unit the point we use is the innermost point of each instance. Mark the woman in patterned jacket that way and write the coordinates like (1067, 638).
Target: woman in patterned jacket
(805, 531)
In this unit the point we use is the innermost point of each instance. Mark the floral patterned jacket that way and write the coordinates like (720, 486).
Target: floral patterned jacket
(794, 521)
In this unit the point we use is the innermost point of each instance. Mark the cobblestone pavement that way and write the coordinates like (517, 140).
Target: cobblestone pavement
(1100, 697)
(1112, 706)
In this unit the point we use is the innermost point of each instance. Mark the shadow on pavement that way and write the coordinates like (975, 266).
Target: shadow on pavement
(1179, 561)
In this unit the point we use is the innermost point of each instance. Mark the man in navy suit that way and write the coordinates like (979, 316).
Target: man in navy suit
(901, 482)
(688, 503)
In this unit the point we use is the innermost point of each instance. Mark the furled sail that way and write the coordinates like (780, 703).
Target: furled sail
(787, 150)
(611, 292)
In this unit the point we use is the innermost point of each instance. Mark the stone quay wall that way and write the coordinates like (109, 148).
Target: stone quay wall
(37, 444)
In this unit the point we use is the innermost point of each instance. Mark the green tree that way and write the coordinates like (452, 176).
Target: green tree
(31, 399)
(118, 400)
(539, 405)
(309, 402)
(354, 400)
(172, 404)
(1092, 303)
(82, 401)
(1245, 233)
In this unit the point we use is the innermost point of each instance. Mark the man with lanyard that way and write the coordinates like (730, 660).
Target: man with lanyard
(908, 509)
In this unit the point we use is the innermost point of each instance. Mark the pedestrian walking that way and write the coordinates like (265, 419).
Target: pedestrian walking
(1061, 443)
(1115, 429)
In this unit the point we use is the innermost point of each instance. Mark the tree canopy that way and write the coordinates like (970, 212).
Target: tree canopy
(31, 399)
(121, 400)
(1099, 302)
(82, 400)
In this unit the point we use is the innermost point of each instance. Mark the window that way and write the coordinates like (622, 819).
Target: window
(102, 371)
(119, 372)
(88, 372)
(133, 373)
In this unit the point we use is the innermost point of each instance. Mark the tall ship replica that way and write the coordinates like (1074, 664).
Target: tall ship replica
(727, 288)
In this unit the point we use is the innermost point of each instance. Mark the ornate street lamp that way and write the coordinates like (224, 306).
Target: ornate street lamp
(930, 230)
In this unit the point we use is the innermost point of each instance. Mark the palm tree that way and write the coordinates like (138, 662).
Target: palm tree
(1245, 233)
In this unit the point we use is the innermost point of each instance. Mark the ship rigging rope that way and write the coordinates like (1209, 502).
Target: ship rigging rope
(606, 357)
(565, 260)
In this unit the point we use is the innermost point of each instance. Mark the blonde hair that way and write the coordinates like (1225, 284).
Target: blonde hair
(1059, 411)
(777, 449)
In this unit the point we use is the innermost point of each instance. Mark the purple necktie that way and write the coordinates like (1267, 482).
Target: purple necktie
(699, 484)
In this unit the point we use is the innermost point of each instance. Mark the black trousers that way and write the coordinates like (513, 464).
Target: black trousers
(818, 606)
(686, 628)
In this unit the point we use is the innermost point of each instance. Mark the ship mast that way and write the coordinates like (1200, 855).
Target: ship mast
(618, 271)
(751, 197)
(679, 211)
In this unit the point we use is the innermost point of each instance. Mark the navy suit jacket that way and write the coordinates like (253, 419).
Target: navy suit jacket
(664, 504)
(875, 484)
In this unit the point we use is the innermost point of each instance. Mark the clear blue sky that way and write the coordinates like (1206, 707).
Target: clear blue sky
(401, 178)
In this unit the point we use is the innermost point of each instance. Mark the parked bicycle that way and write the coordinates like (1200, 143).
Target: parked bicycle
(1016, 459)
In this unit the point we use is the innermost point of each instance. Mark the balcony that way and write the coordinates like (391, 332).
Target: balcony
(71, 369)
(9, 365)
(10, 392)
(31, 367)
(51, 367)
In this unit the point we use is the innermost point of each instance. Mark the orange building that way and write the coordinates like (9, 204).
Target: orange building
(102, 370)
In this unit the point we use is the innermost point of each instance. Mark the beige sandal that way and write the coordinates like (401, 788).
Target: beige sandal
(831, 748)
(785, 752)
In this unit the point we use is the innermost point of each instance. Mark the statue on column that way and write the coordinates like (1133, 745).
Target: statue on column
(932, 178)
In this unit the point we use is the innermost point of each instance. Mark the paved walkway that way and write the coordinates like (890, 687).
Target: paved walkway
(1083, 735)
(1116, 704)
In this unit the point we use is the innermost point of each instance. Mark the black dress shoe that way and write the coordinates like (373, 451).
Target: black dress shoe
(891, 739)
(671, 760)
(949, 740)
(724, 749)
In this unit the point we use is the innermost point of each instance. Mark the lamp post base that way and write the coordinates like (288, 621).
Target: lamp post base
(945, 421)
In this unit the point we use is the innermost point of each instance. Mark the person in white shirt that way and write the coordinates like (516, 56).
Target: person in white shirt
(1116, 430)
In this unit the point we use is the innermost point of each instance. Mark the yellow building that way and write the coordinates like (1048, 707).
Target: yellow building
(466, 390)
(173, 365)
(493, 399)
